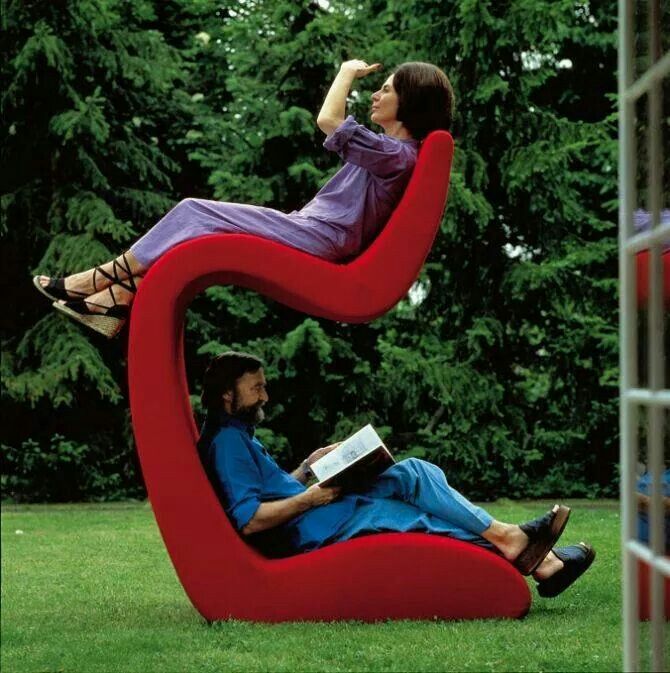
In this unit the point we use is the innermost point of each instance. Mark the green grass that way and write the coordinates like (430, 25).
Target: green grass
(91, 588)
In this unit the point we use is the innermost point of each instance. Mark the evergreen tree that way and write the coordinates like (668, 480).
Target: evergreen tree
(500, 364)
(92, 93)
(513, 352)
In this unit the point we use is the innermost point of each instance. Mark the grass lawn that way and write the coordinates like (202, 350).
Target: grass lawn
(91, 588)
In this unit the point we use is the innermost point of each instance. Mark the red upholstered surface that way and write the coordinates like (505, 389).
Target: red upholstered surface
(644, 591)
(375, 577)
(642, 267)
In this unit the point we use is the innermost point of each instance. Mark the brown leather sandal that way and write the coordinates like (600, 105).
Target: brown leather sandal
(542, 536)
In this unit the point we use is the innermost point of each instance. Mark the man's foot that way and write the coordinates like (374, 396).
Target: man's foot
(527, 545)
(550, 566)
(562, 567)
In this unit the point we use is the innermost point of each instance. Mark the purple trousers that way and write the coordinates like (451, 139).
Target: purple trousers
(192, 218)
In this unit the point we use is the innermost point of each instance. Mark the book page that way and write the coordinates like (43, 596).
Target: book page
(359, 444)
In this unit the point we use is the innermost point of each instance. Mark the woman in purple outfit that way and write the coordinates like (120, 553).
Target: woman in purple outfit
(339, 222)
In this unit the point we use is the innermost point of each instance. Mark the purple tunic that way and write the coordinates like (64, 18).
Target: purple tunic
(339, 222)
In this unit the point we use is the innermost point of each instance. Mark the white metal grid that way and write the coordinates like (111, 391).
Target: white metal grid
(655, 398)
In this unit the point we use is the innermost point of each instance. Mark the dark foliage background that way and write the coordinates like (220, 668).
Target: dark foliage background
(501, 363)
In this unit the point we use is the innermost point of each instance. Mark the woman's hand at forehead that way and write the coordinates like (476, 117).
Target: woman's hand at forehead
(360, 68)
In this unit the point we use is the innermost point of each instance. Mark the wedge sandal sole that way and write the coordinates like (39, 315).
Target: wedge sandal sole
(103, 324)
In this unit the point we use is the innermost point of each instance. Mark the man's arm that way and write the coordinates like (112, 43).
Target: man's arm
(302, 472)
(334, 107)
(271, 514)
(644, 502)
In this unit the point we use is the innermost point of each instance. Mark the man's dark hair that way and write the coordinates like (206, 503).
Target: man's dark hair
(221, 375)
(425, 98)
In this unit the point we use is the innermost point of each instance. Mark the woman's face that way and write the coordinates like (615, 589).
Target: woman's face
(385, 104)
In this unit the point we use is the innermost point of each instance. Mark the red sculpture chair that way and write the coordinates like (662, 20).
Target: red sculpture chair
(642, 278)
(391, 575)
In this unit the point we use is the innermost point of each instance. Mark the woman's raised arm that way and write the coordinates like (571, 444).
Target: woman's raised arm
(333, 110)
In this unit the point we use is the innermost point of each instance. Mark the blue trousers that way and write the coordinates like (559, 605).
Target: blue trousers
(414, 495)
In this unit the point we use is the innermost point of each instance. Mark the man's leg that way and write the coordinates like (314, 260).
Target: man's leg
(425, 486)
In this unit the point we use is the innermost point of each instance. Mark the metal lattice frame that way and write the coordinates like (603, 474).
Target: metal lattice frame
(656, 398)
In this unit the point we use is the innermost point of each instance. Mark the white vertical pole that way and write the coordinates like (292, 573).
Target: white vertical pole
(627, 335)
(656, 359)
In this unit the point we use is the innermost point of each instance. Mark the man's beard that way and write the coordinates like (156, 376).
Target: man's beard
(252, 415)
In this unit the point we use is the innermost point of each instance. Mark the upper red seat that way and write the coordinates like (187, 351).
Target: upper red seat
(392, 575)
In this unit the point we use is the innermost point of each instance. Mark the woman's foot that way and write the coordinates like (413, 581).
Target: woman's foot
(105, 312)
(76, 286)
(86, 283)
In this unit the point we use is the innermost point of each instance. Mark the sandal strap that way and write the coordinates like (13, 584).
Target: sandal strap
(127, 283)
(83, 307)
(532, 528)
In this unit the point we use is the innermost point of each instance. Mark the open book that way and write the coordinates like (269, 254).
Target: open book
(355, 462)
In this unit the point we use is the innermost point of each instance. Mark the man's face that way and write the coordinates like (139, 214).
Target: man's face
(248, 398)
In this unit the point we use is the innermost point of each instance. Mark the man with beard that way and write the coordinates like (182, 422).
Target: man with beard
(280, 515)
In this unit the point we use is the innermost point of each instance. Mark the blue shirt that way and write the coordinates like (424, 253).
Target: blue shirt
(644, 487)
(247, 475)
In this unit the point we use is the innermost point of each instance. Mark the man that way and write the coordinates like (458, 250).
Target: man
(277, 512)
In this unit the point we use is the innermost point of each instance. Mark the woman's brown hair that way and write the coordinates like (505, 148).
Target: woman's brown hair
(425, 98)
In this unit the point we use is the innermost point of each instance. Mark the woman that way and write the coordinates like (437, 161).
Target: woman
(341, 220)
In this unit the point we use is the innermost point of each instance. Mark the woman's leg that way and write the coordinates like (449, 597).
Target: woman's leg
(193, 218)
(180, 224)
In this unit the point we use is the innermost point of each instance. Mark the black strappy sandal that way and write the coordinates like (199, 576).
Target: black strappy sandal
(542, 536)
(127, 283)
(55, 288)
